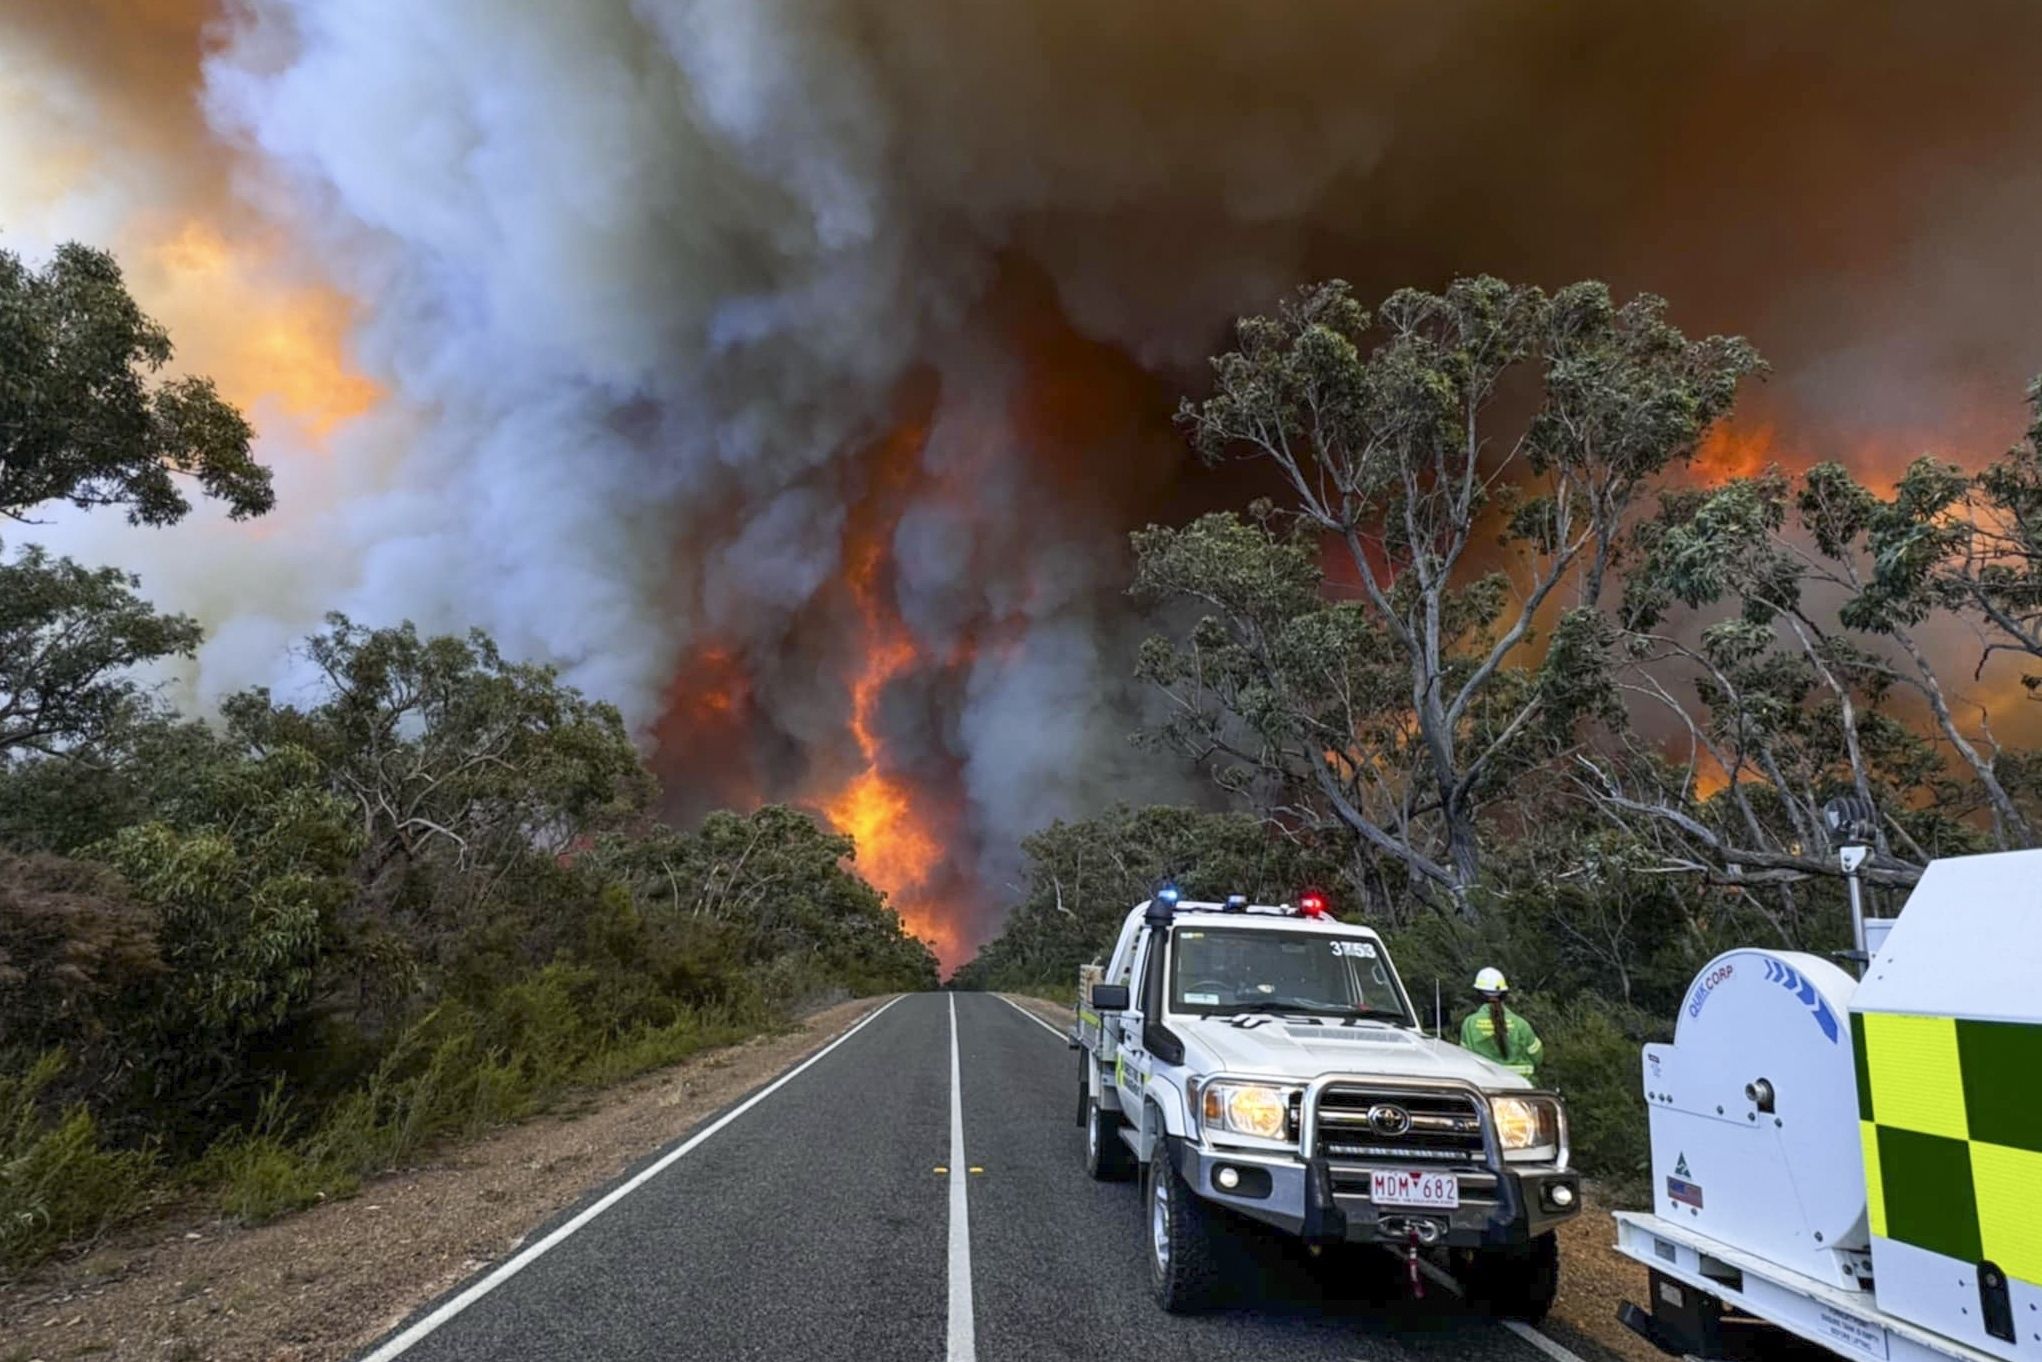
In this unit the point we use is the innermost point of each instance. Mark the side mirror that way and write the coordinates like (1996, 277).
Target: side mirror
(1109, 997)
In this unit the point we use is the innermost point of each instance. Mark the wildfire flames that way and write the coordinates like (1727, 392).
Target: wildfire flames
(1736, 451)
(900, 848)
(897, 851)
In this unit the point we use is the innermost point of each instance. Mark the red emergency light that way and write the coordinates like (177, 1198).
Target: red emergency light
(1312, 903)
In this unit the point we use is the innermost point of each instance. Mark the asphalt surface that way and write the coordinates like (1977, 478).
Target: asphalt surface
(816, 1224)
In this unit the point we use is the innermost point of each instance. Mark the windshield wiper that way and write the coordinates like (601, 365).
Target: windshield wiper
(1380, 1015)
(1274, 1005)
(1264, 1006)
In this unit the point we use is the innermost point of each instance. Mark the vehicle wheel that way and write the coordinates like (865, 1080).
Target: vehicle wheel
(1107, 1157)
(1518, 1281)
(1184, 1238)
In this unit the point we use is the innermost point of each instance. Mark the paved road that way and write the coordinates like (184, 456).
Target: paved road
(819, 1220)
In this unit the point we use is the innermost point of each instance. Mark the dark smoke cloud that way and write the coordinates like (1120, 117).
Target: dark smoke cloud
(647, 280)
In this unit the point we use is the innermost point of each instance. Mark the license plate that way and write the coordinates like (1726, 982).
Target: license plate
(1415, 1188)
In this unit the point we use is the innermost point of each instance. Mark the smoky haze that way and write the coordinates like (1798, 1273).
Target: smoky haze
(678, 309)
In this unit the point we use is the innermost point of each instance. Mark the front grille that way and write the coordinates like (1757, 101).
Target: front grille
(1445, 1128)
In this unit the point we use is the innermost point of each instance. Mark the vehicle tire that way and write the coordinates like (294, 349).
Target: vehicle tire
(1516, 1281)
(1184, 1237)
(1107, 1157)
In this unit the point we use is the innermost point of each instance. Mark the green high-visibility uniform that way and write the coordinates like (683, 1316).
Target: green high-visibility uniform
(1478, 1033)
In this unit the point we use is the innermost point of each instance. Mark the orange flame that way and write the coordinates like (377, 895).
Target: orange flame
(1729, 452)
(899, 851)
(708, 715)
(712, 690)
(1710, 779)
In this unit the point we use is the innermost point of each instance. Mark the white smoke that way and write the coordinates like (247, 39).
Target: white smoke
(641, 278)
(648, 273)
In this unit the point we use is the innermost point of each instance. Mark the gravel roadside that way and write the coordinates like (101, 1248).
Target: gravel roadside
(324, 1283)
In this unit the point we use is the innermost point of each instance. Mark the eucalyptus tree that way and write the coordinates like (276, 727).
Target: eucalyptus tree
(84, 418)
(1417, 622)
(1796, 635)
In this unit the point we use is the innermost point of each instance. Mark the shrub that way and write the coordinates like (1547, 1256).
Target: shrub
(58, 1184)
(655, 1047)
(260, 1173)
(260, 1177)
(463, 1068)
(432, 1081)
(1592, 1049)
(79, 970)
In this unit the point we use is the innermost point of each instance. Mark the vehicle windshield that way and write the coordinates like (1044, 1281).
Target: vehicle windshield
(1219, 971)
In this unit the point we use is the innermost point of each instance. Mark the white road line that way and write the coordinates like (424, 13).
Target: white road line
(1556, 1351)
(511, 1267)
(1031, 1016)
(963, 1341)
(1538, 1340)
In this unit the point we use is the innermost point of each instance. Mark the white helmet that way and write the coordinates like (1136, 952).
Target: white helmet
(1491, 980)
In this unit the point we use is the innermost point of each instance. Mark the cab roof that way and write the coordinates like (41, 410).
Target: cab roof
(1271, 915)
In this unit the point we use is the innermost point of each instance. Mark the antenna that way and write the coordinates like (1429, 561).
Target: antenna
(1438, 1014)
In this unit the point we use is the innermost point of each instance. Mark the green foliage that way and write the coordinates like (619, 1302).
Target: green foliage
(1394, 698)
(58, 1183)
(70, 638)
(79, 420)
(458, 1070)
(260, 1177)
(245, 872)
(72, 800)
(449, 757)
(1592, 1057)
(259, 1173)
(299, 951)
(246, 863)
(1804, 678)
(779, 887)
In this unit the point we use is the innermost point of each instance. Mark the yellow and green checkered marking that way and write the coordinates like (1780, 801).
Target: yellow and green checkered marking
(1950, 1112)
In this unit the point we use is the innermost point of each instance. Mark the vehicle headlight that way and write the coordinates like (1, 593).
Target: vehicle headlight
(1528, 1129)
(1247, 1109)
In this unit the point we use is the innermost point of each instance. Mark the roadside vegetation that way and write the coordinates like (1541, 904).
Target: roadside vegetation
(257, 957)
(1499, 666)
(1493, 664)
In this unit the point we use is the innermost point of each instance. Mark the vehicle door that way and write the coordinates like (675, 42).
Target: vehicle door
(1131, 1059)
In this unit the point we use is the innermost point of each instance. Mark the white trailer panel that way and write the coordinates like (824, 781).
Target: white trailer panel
(1846, 1322)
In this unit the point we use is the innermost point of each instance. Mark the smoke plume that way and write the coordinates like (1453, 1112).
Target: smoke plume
(788, 372)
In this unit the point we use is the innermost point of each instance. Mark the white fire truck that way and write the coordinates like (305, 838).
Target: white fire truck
(1858, 1161)
(1264, 1063)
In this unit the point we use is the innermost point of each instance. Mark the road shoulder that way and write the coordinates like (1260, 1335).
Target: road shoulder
(327, 1282)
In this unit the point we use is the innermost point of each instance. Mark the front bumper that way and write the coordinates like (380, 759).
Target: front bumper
(1303, 1198)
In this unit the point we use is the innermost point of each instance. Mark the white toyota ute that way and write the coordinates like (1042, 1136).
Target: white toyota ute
(1264, 1062)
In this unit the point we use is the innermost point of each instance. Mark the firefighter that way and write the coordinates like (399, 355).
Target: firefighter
(1493, 1031)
